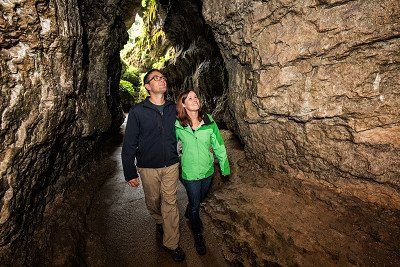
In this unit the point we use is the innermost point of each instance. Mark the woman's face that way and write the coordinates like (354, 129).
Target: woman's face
(191, 103)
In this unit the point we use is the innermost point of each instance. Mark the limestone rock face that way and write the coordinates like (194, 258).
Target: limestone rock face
(59, 95)
(314, 93)
(314, 89)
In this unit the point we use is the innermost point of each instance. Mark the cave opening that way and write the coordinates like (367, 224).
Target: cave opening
(173, 36)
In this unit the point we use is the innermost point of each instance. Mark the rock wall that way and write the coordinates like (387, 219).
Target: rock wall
(198, 63)
(313, 93)
(313, 86)
(59, 96)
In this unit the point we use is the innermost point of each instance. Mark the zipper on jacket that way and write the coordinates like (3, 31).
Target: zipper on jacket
(193, 132)
(198, 153)
(162, 135)
(162, 130)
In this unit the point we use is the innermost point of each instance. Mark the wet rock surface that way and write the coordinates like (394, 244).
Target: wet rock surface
(313, 89)
(198, 63)
(59, 67)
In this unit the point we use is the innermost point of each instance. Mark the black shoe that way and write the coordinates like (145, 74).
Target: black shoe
(199, 244)
(159, 229)
(177, 254)
(187, 212)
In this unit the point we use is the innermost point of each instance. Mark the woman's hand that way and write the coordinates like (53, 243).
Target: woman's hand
(226, 178)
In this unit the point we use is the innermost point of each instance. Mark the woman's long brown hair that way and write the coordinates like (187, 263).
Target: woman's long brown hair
(182, 116)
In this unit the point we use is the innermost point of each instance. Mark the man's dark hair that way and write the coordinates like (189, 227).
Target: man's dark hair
(147, 75)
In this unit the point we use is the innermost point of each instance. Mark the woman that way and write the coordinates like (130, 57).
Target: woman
(198, 132)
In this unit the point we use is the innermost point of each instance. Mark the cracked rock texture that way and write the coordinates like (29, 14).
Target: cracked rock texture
(314, 88)
(59, 83)
(314, 97)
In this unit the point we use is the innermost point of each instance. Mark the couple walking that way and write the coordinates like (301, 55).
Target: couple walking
(149, 154)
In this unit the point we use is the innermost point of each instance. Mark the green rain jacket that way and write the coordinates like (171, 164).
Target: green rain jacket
(197, 161)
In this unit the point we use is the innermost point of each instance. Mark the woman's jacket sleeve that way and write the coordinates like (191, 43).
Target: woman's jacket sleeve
(219, 149)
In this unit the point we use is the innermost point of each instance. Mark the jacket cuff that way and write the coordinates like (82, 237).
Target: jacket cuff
(132, 177)
(226, 172)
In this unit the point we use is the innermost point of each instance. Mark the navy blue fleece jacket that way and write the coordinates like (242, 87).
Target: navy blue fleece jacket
(149, 138)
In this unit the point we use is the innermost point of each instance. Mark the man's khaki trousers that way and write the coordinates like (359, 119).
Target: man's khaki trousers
(160, 186)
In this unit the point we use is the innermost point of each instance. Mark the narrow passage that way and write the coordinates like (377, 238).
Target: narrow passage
(121, 231)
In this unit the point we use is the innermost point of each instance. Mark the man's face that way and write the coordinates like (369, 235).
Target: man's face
(157, 83)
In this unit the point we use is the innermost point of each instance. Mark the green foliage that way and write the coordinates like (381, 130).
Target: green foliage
(147, 48)
(147, 42)
(126, 86)
(132, 75)
(151, 11)
(143, 93)
(160, 63)
(139, 93)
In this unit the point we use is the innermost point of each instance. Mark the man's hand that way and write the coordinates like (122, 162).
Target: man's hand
(134, 182)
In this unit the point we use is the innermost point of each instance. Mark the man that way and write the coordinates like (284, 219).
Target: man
(150, 139)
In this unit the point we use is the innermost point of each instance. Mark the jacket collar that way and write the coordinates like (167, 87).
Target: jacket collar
(148, 104)
(207, 120)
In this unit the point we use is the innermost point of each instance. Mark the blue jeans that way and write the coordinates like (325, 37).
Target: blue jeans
(196, 191)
